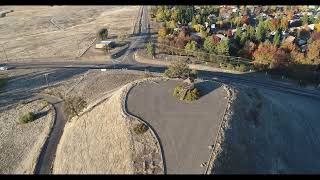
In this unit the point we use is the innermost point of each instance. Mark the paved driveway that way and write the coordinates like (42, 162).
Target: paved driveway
(185, 129)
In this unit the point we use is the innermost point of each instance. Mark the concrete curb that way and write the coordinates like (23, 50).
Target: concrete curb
(230, 92)
(127, 115)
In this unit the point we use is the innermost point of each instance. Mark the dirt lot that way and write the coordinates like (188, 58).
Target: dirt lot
(45, 31)
(20, 144)
(185, 129)
(270, 132)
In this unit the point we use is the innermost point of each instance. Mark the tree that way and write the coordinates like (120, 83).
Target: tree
(274, 25)
(197, 27)
(162, 32)
(237, 21)
(73, 106)
(223, 47)
(179, 69)
(245, 20)
(276, 39)
(208, 45)
(313, 54)
(191, 46)
(264, 54)
(305, 19)
(244, 38)
(317, 27)
(150, 49)
(103, 34)
(251, 33)
(284, 24)
(261, 32)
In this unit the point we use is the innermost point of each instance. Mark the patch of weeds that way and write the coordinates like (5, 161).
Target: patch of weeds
(147, 74)
(140, 128)
(44, 103)
(28, 117)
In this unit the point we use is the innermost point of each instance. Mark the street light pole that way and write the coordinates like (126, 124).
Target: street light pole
(46, 77)
(5, 53)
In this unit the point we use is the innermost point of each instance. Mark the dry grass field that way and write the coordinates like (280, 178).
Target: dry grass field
(59, 31)
(20, 144)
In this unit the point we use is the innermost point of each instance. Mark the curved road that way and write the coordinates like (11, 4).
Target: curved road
(47, 154)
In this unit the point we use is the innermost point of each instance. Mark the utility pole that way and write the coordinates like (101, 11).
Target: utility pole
(5, 53)
(46, 77)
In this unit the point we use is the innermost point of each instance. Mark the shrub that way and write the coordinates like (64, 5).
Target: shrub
(103, 34)
(230, 67)
(140, 128)
(192, 95)
(176, 91)
(44, 103)
(179, 69)
(73, 106)
(147, 74)
(242, 68)
(28, 117)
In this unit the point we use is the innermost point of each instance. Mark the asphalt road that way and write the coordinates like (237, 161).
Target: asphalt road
(47, 154)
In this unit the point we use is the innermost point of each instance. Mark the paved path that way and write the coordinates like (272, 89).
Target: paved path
(185, 129)
(47, 155)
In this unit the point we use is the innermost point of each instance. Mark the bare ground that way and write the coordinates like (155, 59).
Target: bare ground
(20, 144)
(269, 132)
(59, 31)
(101, 140)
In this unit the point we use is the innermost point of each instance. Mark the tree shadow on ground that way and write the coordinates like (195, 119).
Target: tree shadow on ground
(206, 87)
(40, 115)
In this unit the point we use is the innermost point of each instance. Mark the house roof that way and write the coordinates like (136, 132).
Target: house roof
(221, 36)
(105, 42)
(290, 39)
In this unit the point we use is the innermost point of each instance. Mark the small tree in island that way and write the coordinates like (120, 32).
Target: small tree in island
(185, 90)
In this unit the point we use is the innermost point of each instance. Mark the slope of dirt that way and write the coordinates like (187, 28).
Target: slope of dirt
(20, 144)
(269, 132)
(101, 140)
(96, 142)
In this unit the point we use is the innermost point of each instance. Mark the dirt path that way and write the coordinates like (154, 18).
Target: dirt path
(47, 155)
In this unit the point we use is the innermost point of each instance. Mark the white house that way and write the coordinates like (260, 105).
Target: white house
(103, 44)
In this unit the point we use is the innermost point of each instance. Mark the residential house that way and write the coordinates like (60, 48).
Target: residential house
(104, 44)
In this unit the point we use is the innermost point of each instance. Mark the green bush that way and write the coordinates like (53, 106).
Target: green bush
(230, 67)
(242, 68)
(73, 106)
(180, 69)
(28, 117)
(140, 128)
(192, 95)
(176, 91)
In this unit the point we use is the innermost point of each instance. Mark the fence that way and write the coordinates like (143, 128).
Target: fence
(203, 56)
